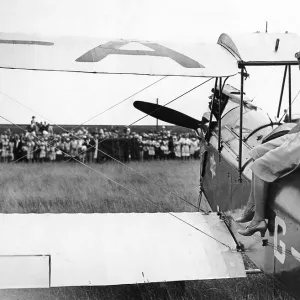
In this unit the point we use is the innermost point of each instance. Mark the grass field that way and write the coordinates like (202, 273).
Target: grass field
(73, 188)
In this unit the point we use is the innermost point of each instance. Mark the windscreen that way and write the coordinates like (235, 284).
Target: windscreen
(256, 125)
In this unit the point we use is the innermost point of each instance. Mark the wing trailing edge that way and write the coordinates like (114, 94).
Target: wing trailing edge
(113, 249)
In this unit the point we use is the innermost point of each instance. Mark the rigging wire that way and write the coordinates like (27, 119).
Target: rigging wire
(85, 121)
(135, 193)
(161, 186)
(148, 178)
(185, 93)
(118, 103)
(143, 89)
(25, 106)
(134, 123)
(197, 86)
(291, 104)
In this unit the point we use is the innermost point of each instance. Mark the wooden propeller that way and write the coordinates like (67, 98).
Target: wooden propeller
(167, 114)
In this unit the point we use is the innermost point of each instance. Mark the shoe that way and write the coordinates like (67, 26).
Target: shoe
(247, 216)
(260, 226)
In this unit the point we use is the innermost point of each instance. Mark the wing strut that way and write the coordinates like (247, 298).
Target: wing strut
(281, 93)
(241, 126)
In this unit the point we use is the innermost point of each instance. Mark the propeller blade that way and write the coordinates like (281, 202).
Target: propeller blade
(167, 114)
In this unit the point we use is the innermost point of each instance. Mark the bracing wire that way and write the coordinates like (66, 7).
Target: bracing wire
(143, 89)
(185, 93)
(138, 121)
(135, 193)
(161, 186)
(118, 103)
(147, 178)
(290, 104)
(127, 98)
(25, 106)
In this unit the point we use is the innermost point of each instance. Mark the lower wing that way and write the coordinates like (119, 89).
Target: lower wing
(52, 250)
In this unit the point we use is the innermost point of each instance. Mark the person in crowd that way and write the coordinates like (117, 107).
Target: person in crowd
(127, 148)
(177, 147)
(151, 147)
(171, 147)
(83, 150)
(4, 148)
(40, 127)
(46, 128)
(52, 150)
(141, 148)
(50, 129)
(59, 148)
(134, 146)
(67, 149)
(96, 147)
(194, 147)
(286, 116)
(30, 148)
(101, 134)
(17, 148)
(43, 150)
(10, 156)
(164, 148)
(106, 133)
(74, 148)
(101, 156)
(36, 150)
(146, 145)
(37, 145)
(33, 123)
(157, 147)
(185, 147)
(127, 131)
(48, 147)
(23, 149)
(115, 134)
(90, 144)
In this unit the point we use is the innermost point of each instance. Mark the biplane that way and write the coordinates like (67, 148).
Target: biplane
(50, 250)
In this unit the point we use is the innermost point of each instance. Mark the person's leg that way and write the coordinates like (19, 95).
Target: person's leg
(265, 156)
(249, 211)
(259, 189)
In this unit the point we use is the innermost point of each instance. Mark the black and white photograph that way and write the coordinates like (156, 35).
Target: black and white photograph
(149, 150)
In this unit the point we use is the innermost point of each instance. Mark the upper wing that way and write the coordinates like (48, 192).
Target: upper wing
(51, 250)
(115, 56)
(111, 56)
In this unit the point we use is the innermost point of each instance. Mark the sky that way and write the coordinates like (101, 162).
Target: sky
(74, 99)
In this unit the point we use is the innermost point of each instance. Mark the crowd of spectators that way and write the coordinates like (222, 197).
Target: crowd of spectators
(39, 143)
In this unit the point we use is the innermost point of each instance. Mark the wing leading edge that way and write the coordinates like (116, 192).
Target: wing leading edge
(114, 56)
(113, 249)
